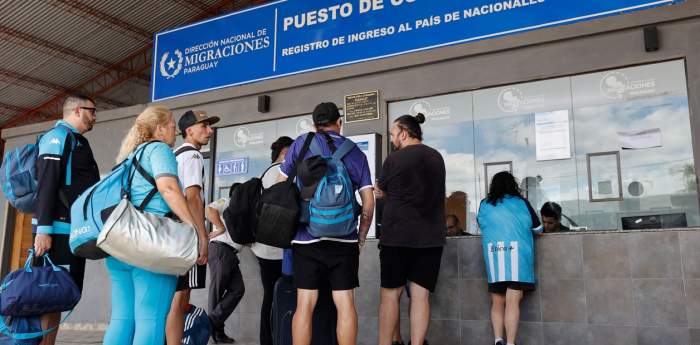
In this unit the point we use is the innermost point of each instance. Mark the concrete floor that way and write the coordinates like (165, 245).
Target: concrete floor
(79, 337)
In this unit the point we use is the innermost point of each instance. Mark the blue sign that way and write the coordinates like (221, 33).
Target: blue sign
(238, 166)
(295, 36)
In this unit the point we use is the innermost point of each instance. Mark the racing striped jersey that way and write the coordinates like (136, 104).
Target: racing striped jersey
(507, 239)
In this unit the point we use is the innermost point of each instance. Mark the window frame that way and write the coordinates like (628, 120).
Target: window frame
(590, 179)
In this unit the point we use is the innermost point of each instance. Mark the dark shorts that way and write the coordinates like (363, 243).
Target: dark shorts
(326, 262)
(195, 278)
(61, 255)
(501, 287)
(402, 264)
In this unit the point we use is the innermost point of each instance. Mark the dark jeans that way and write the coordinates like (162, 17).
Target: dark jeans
(270, 271)
(226, 287)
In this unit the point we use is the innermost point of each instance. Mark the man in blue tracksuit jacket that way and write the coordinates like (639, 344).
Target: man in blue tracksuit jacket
(65, 168)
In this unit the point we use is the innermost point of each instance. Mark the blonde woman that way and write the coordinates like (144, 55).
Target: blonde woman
(140, 298)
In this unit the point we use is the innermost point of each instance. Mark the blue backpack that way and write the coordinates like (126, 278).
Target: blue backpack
(92, 208)
(197, 327)
(333, 209)
(19, 176)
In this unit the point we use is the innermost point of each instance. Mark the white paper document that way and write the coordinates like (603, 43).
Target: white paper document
(552, 135)
(641, 139)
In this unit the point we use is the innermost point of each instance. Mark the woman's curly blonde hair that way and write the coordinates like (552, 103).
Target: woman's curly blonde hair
(144, 129)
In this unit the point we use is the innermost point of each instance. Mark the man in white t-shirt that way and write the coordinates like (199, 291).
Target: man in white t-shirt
(226, 286)
(195, 127)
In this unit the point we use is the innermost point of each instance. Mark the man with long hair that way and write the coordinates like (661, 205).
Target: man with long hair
(412, 183)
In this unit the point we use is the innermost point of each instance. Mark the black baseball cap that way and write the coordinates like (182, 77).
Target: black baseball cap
(310, 172)
(325, 113)
(193, 117)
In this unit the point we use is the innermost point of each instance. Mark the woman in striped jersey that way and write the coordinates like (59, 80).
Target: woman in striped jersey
(507, 223)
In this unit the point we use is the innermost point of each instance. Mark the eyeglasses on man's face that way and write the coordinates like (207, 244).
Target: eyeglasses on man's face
(92, 110)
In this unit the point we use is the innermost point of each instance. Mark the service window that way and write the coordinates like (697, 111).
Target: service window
(613, 148)
(642, 113)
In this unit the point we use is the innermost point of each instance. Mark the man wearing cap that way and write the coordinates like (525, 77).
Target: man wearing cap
(195, 127)
(328, 260)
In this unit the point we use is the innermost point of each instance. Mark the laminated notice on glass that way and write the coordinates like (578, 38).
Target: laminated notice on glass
(362, 106)
(552, 135)
(238, 166)
(642, 139)
(369, 145)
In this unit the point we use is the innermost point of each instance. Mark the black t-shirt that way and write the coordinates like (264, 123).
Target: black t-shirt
(413, 180)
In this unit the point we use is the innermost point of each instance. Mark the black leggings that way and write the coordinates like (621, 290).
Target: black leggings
(270, 272)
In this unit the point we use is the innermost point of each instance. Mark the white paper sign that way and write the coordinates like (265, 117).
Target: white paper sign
(642, 139)
(552, 135)
(367, 143)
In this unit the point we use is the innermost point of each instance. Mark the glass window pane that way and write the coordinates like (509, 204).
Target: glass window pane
(295, 126)
(508, 122)
(450, 130)
(251, 142)
(643, 113)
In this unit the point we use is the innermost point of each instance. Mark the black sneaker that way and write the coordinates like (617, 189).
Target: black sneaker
(425, 342)
(500, 342)
(220, 337)
(397, 342)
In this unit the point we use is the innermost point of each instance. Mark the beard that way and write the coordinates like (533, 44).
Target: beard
(89, 123)
(204, 141)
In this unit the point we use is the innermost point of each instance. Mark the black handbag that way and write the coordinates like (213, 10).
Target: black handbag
(278, 210)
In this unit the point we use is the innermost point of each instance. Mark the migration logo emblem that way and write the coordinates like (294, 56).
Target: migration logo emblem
(168, 68)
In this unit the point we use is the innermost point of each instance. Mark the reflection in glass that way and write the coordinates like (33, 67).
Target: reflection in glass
(604, 176)
(651, 179)
(666, 174)
(449, 128)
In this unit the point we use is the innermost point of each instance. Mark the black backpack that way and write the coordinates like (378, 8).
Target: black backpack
(241, 214)
(278, 211)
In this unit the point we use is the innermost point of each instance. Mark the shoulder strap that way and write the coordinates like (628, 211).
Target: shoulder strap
(302, 153)
(184, 149)
(138, 167)
(329, 141)
(68, 146)
(345, 148)
(187, 149)
(269, 168)
(315, 148)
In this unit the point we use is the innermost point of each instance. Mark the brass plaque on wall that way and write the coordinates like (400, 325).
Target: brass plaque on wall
(362, 106)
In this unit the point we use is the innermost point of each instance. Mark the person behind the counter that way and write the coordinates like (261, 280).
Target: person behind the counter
(551, 217)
